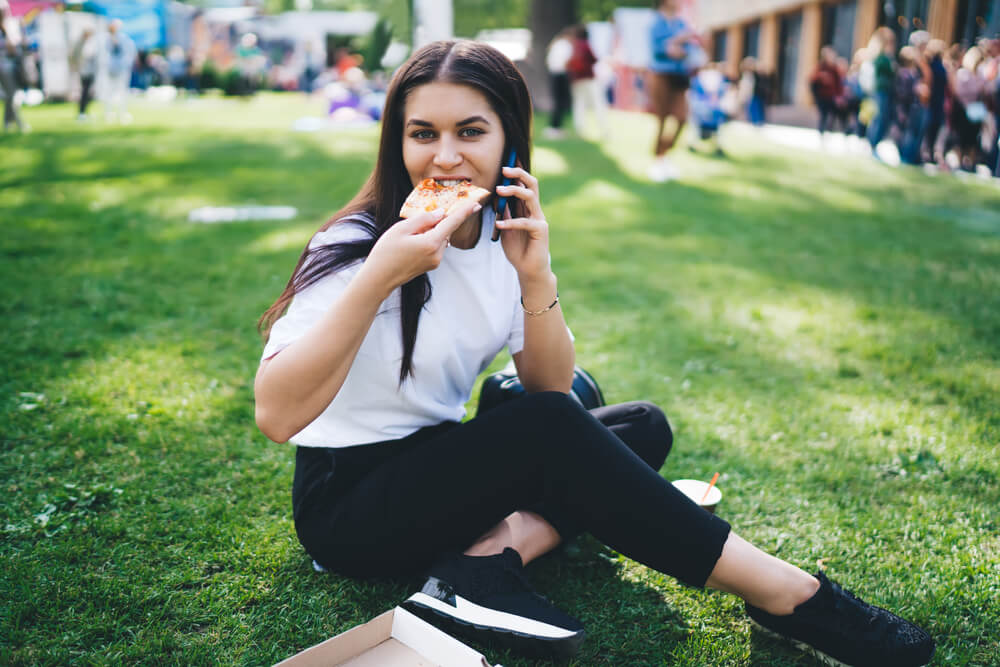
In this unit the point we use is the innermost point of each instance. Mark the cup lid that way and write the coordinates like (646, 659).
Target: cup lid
(695, 490)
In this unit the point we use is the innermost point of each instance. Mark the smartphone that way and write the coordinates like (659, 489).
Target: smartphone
(502, 202)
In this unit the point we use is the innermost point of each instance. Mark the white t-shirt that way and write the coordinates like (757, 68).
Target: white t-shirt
(558, 55)
(474, 311)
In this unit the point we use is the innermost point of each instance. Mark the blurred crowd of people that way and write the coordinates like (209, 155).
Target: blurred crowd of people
(939, 103)
(105, 65)
(680, 85)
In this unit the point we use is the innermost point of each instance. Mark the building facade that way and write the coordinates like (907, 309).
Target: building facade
(785, 36)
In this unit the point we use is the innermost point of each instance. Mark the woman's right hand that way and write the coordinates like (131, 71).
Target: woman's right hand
(414, 246)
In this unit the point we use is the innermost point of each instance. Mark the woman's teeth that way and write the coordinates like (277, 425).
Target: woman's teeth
(450, 182)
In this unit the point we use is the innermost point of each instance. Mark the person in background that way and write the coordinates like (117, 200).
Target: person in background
(344, 60)
(10, 62)
(854, 96)
(671, 41)
(990, 69)
(119, 58)
(83, 61)
(312, 65)
(178, 67)
(708, 97)
(842, 114)
(251, 63)
(587, 94)
(905, 101)
(948, 142)
(746, 87)
(938, 94)
(884, 71)
(143, 73)
(919, 118)
(827, 87)
(557, 56)
(763, 91)
(969, 108)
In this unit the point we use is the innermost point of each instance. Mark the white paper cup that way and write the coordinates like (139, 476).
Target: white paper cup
(695, 490)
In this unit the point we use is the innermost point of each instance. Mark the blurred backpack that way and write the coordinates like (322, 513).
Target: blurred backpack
(504, 386)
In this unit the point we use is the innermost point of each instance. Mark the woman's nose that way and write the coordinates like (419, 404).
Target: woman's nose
(447, 156)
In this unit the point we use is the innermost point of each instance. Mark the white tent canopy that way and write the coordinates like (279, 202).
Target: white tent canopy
(313, 26)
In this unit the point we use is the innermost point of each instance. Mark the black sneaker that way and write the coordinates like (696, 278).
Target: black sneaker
(488, 599)
(840, 629)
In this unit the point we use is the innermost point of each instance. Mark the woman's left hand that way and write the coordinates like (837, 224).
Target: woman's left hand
(525, 239)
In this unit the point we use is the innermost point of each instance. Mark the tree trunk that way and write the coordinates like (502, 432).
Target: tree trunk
(548, 17)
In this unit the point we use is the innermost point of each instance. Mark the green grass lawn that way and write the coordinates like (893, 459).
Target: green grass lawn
(823, 331)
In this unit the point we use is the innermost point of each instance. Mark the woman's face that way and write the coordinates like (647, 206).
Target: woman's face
(450, 132)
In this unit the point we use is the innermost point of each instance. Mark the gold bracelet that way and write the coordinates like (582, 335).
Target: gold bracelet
(536, 313)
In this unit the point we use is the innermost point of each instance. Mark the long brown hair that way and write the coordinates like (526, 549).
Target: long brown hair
(376, 206)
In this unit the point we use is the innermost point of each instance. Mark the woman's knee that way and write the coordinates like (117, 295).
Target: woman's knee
(544, 403)
(659, 437)
(643, 427)
(655, 418)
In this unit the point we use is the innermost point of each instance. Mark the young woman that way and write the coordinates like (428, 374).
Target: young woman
(671, 41)
(373, 350)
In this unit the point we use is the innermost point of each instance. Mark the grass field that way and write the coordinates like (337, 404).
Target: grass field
(823, 331)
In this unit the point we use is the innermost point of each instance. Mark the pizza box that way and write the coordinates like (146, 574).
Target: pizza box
(396, 638)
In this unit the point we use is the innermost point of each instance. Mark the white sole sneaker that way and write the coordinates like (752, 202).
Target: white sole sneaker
(473, 614)
(463, 617)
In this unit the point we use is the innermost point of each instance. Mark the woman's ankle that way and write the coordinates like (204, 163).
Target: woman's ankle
(763, 580)
(783, 601)
(485, 547)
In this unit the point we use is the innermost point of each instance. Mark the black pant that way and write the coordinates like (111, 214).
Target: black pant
(86, 84)
(394, 507)
(829, 114)
(561, 99)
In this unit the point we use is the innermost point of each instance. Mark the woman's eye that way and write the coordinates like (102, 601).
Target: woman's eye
(423, 134)
(471, 132)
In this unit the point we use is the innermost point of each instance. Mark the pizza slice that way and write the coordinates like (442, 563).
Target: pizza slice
(431, 194)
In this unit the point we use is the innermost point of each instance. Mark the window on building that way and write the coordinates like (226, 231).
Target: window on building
(838, 27)
(788, 57)
(751, 40)
(904, 17)
(719, 39)
(977, 19)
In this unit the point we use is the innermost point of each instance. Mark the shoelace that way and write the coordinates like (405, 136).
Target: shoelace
(518, 574)
(506, 578)
(857, 614)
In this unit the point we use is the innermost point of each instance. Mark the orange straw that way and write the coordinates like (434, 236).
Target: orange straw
(715, 478)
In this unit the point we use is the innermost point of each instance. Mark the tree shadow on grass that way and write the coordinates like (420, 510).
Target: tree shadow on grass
(888, 263)
(129, 257)
(104, 291)
(789, 229)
